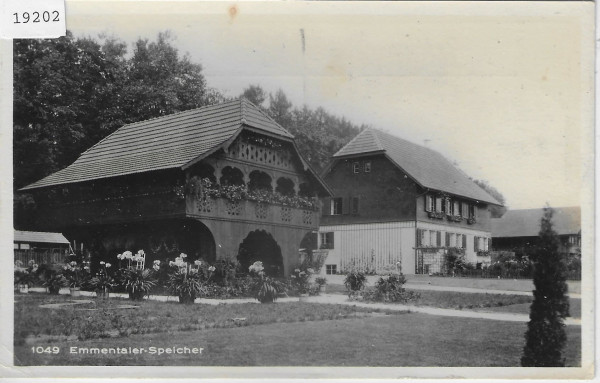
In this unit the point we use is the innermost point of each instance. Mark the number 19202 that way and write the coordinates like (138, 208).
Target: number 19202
(36, 17)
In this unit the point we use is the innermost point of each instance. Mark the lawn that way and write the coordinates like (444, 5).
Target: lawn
(380, 340)
(106, 318)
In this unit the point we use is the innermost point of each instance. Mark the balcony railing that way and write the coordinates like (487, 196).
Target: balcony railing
(246, 210)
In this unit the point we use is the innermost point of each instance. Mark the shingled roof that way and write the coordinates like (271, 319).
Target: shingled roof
(526, 222)
(165, 142)
(39, 237)
(427, 167)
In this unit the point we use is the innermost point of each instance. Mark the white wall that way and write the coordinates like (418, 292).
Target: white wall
(470, 254)
(372, 246)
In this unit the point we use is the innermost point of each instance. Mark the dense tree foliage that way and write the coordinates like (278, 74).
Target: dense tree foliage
(69, 93)
(546, 336)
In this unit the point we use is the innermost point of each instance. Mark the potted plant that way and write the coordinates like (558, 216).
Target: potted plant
(76, 274)
(322, 283)
(138, 282)
(264, 288)
(102, 283)
(55, 282)
(188, 281)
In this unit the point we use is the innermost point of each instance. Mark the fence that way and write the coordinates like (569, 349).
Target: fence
(41, 256)
(508, 274)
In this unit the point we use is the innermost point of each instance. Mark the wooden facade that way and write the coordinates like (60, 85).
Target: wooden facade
(381, 214)
(254, 189)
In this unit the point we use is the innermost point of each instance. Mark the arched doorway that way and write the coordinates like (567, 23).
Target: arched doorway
(261, 246)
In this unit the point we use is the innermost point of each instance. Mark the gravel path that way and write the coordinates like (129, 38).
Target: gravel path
(343, 300)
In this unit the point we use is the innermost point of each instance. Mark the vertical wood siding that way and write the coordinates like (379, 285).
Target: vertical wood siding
(372, 247)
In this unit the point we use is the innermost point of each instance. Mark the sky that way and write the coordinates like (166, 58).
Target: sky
(504, 90)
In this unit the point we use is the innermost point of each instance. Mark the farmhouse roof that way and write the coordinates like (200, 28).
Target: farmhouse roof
(427, 167)
(166, 142)
(526, 222)
(39, 236)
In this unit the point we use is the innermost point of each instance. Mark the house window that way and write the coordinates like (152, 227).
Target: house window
(24, 246)
(429, 203)
(452, 241)
(354, 205)
(367, 167)
(438, 204)
(449, 206)
(432, 238)
(464, 211)
(485, 244)
(330, 269)
(327, 240)
(336, 206)
(356, 167)
(16, 246)
(456, 208)
(472, 211)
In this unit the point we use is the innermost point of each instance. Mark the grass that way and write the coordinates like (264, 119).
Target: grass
(102, 318)
(395, 341)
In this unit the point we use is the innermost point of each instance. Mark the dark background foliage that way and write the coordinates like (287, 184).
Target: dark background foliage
(69, 93)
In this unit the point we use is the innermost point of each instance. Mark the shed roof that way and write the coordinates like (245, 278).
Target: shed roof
(427, 167)
(526, 222)
(40, 236)
(165, 142)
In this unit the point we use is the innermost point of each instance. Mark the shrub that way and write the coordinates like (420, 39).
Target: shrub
(102, 281)
(390, 289)
(300, 280)
(320, 281)
(25, 275)
(355, 281)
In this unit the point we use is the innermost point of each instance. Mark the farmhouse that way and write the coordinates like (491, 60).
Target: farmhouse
(219, 182)
(518, 230)
(41, 247)
(395, 201)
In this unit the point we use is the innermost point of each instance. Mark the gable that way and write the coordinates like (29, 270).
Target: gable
(427, 167)
(165, 142)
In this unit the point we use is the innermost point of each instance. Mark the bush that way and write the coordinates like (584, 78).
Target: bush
(390, 289)
(355, 281)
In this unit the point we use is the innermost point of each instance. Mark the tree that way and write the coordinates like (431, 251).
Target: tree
(255, 94)
(70, 93)
(496, 211)
(546, 336)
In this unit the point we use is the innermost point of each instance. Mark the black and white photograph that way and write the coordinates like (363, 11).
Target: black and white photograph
(351, 190)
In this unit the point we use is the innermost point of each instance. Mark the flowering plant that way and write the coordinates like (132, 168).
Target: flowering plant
(207, 188)
(102, 281)
(137, 280)
(265, 289)
(188, 280)
(25, 275)
(76, 273)
(301, 280)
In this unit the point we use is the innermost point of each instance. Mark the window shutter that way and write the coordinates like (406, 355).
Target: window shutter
(439, 239)
(447, 244)
(418, 237)
(326, 206)
(476, 244)
(346, 205)
(428, 203)
(464, 241)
